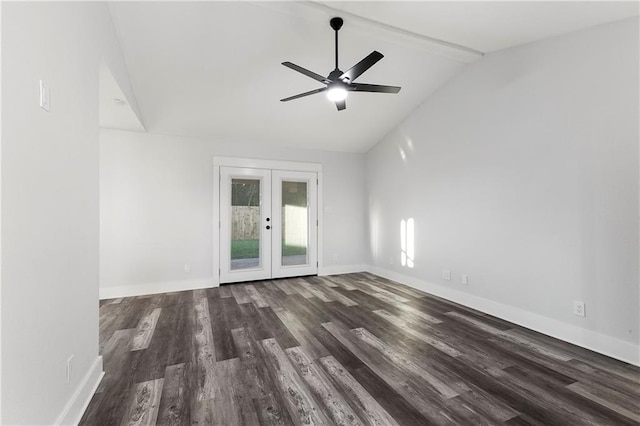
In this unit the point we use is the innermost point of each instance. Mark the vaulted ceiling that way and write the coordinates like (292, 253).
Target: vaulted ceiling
(213, 69)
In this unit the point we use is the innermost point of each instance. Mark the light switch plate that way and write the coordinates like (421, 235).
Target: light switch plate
(45, 97)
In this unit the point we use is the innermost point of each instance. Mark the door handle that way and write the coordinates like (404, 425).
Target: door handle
(268, 227)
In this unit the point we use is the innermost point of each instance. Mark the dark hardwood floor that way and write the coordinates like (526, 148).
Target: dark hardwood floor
(349, 349)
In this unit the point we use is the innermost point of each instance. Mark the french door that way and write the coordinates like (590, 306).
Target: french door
(268, 224)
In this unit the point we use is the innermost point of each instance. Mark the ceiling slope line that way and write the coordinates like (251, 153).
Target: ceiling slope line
(130, 94)
(446, 48)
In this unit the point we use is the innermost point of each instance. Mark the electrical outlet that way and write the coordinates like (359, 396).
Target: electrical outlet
(446, 274)
(335, 257)
(390, 260)
(69, 370)
(187, 268)
(579, 308)
(464, 279)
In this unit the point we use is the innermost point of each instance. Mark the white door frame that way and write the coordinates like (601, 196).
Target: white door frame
(259, 164)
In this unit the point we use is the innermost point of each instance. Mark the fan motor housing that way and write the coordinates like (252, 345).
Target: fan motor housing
(335, 75)
(336, 23)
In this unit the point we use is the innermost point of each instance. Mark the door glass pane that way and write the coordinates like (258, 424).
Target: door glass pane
(245, 223)
(295, 226)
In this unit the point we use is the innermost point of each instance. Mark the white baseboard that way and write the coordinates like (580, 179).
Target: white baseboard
(341, 269)
(597, 342)
(75, 408)
(153, 288)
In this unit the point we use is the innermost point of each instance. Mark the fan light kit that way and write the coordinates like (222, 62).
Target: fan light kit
(339, 83)
(336, 92)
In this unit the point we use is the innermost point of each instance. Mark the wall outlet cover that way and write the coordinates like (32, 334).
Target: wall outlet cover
(579, 308)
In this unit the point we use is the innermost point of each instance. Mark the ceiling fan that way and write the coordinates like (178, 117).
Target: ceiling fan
(338, 83)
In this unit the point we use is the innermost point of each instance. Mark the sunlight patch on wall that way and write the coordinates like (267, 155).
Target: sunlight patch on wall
(403, 155)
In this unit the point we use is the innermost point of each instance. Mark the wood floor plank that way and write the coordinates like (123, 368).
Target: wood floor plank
(368, 409)
(412, 292)
(174, 403)
(258, 384)
(205, 355)
(326, 281)
(632, 410)
(229, 404)
(239, 292)
(587, 374)
(336, 407)
(181, 329)
(300, 403)
(402, 360)
(256, 297)
(232, 402)
(308, 312)
(386, 370)
(365, 300)
(213, 292)
(298, 285)
(534, 346)
(336, 312)
(508, 336)
(276, 328)
(554, 398)
(285, 286)
(491, 408)
(396, 289)
(304, 337)
(379, 291)
(342, 354)
(316, 290)
(335, 295)
(586, 357)
(153, 360)
(113, 400)
(425, 357)
(404, 325)
(144, 401)
(224, 291)
(145, 329)
(410, 311)
(389, 297)
(554, 383)
(342, 282)
(223, 317)
(393, 402)
(115, 357)
(272, 295)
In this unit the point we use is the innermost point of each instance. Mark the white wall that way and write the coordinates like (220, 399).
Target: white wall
(522, 172)
(50, 206)
(156, 208)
